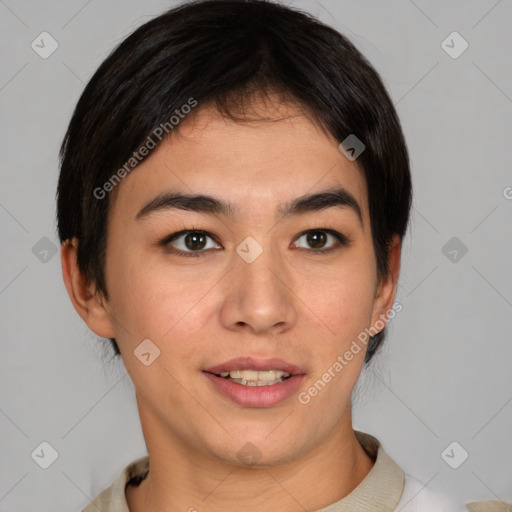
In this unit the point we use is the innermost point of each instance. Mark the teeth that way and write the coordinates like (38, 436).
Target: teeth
(255, 377)
(256, 382)
(266, 375)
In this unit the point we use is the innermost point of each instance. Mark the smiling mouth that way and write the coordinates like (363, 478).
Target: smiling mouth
(255, 382)
(255, 377)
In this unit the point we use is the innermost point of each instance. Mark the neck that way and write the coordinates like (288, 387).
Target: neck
(181, 478)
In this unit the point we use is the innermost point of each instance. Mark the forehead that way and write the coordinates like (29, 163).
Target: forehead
(275, 154)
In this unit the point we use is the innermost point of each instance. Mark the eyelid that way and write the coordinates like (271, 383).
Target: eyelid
(343, 240)
(166, 242)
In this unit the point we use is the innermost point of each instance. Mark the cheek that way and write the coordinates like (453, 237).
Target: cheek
(343, 301)
(150, 299)
(342, 296)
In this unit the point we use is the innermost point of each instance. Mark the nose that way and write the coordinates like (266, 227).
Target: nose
(259, 297)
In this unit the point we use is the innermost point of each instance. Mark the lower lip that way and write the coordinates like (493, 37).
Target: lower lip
(256, 396)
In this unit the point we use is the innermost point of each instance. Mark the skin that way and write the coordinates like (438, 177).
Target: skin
(291, 303)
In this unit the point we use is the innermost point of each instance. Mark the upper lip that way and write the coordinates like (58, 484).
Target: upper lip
(250, 363)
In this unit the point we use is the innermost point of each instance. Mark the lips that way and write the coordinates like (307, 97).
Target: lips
(250, 363)
(256, 396)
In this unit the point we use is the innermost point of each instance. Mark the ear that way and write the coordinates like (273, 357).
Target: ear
(386, 287)
(90, 305)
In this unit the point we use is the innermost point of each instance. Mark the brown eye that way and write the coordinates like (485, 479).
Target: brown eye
(195, 241)
(321, 240)
(316, 239)
(190, 243)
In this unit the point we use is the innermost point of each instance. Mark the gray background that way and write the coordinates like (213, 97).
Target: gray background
(445, 372)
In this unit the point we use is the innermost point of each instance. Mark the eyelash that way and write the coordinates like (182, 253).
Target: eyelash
(343, 241)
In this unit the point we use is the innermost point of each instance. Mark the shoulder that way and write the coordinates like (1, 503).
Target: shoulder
(416, 497)
(113, 498)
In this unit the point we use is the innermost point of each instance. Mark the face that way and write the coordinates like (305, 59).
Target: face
(274, 264)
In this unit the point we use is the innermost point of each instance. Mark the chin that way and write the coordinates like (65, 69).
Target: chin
(259, 451)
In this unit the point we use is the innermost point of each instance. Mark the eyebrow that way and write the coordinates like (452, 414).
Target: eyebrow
(336, 197)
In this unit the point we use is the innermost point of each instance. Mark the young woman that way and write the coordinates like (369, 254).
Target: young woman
(233, 194)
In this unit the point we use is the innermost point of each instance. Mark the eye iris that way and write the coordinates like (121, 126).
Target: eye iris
(195, 241)
(317, 239)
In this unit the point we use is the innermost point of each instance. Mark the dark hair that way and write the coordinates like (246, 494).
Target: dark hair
(222, 52)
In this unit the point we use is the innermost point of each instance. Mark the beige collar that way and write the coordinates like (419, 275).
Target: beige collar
(381, 489)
